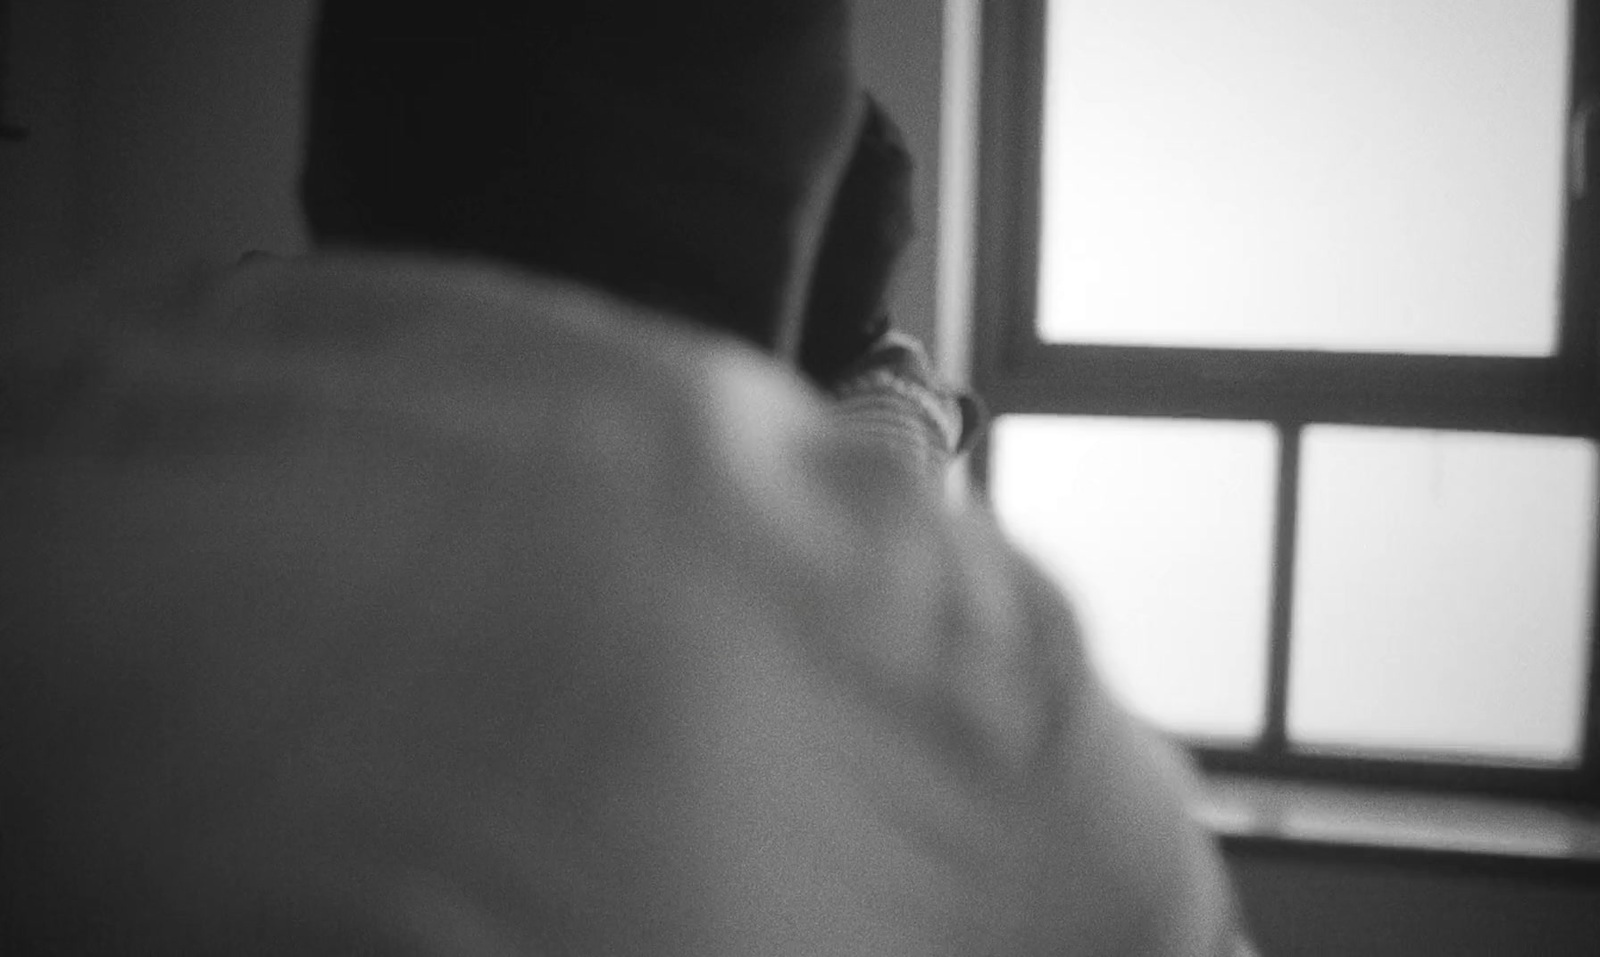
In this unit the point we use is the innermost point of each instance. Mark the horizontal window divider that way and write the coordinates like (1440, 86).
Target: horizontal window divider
(1448, 863)
(1561, 784)
(1254, 368)
(1475, 394)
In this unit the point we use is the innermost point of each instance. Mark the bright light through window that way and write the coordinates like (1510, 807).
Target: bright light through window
(1442, 592)
(1161, 531)
(1354, 175)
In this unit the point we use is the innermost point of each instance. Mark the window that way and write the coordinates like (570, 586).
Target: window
(1289, 319)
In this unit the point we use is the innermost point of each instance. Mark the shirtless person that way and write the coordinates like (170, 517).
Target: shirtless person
(489, 583)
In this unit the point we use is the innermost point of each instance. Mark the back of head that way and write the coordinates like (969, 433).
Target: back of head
(681, 154)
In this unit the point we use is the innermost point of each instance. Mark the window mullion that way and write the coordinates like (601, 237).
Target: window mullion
(1274, 737)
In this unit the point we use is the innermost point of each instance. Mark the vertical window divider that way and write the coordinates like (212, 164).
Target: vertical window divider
(1588, 785)
(1274, 736)
(1580, 293)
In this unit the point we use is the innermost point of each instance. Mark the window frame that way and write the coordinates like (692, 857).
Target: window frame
(1015, 372)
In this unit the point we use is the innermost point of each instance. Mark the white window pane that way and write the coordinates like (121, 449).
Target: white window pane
(1441, 592)
(1161, 531)
(1354, 175)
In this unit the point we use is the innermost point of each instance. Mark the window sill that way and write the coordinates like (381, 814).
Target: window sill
(1320, 820)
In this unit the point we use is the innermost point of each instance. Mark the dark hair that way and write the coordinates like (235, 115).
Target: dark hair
(678, 153)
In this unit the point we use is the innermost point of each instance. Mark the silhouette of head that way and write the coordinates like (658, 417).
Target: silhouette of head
(680, 153)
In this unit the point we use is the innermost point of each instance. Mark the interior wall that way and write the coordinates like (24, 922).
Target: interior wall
(191, 126)
(159, 129)
(38, 195)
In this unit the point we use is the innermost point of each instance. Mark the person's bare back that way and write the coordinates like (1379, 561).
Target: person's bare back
(381, 602)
